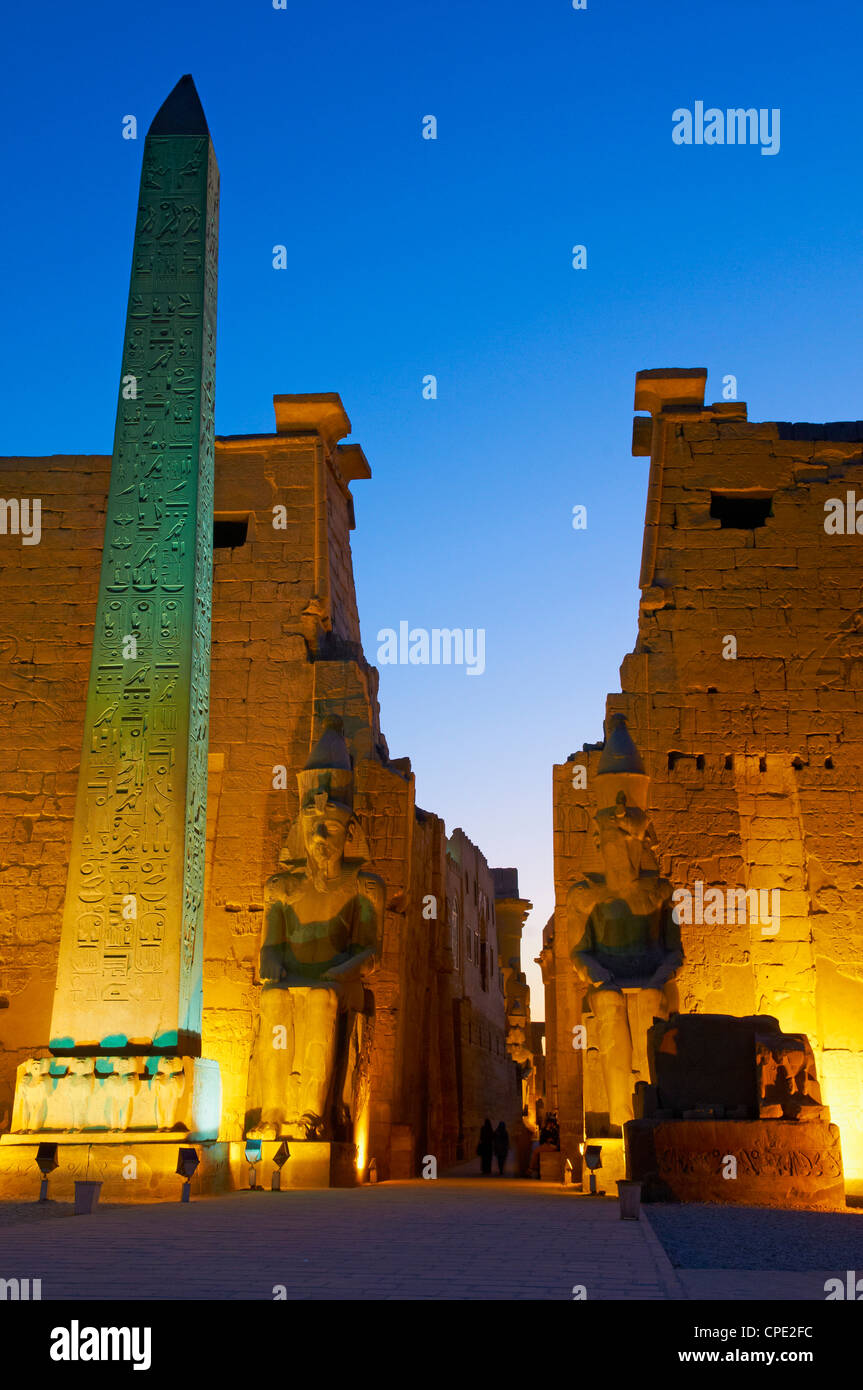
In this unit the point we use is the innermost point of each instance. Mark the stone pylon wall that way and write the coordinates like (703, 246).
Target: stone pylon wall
(286, 652)
(47, 614)
(756, 761)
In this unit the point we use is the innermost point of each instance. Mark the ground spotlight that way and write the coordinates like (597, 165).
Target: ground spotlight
(280, 1158)
(46, 1159)
(593, 1160)
(187, 1162)
(253, 1158)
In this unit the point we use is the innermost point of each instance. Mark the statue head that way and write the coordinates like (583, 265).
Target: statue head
(325, 824)
(622, 824)
(620, 837)
(326, 827)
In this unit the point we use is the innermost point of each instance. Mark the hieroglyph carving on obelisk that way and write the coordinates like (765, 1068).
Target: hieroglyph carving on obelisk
(130, 965)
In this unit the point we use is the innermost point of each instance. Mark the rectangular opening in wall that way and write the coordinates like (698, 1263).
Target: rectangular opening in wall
(741, 511)
(230, 530)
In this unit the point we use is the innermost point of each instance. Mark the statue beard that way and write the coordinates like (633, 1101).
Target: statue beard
(318, 871)
(319, 882)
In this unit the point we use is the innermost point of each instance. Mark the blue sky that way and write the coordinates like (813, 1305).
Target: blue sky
(453, 257)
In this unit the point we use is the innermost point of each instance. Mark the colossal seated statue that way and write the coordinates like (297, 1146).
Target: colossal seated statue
(625, 941)
(322, 922)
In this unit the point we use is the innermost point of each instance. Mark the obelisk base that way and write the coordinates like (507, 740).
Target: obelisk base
(130, 1170)
(67, 1099)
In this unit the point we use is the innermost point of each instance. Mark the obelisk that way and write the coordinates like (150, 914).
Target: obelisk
(130, 963)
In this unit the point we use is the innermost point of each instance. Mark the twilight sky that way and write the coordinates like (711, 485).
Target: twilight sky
(453, 257)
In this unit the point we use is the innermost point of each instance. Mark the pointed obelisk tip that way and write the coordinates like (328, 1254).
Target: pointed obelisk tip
(181, 113)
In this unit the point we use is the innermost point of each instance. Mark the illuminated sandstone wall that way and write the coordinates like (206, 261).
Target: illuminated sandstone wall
(285, 653)
(756, 762)
(488, 1084)
(276, 673)
(522, 1044)
(47, 606)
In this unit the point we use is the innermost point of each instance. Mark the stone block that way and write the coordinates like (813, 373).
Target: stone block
(402, 1152)
(777, 1163)
(699, 1060)
(551, 1165)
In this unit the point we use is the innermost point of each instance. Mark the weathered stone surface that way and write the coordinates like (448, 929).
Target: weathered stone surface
(699, 1060)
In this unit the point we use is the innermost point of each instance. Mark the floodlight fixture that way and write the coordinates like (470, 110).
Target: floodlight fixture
(46, 1161)
(187, 1163)
(593, 1160)
(280, 1158)
(253, 1158)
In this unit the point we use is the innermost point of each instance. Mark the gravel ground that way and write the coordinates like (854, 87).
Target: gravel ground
(702, 1236)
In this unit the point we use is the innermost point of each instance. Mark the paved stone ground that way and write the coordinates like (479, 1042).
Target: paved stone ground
(419, 1240)
(450, 1239)
(749, 1286)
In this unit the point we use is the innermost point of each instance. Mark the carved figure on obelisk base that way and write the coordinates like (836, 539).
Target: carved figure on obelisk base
(625, 942)
(169, 1084)
(82, 1073)
(322, 925)
(121, 1088)
(35, 1090)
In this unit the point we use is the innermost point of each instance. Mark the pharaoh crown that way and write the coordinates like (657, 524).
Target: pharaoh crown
(328, 770)
(620, 770)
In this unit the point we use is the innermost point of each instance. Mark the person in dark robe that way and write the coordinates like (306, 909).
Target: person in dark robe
(500, 1144)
